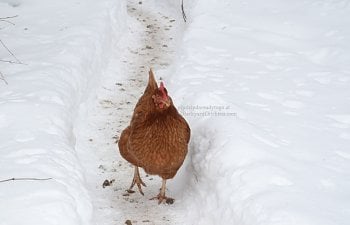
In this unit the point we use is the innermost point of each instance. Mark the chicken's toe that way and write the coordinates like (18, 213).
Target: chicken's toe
(163, 198)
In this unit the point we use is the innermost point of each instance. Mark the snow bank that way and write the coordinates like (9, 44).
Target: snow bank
(64, 46)
(265, 87)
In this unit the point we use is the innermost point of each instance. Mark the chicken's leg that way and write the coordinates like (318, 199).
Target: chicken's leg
(161, 196)
(137, 180)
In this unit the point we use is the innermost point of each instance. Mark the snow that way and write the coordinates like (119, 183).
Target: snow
(61, 45)
(264, 86)
(280, 69)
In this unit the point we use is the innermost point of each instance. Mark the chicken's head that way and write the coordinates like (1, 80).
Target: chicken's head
(161, 99)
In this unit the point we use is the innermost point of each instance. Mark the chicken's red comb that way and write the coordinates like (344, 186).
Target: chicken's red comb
(162, 89)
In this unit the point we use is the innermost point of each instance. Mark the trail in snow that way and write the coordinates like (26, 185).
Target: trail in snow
(150, 42)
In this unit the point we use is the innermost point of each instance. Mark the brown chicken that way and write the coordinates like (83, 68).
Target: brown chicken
(157, 137)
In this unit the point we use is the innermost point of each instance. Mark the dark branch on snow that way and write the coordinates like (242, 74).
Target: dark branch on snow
(5, 19)
(183, 11)
(12, 62)
(9, 51)
(16, 60)
(3, 78)
(13, 179)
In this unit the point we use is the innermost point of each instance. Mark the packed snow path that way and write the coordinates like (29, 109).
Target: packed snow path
(150, 42)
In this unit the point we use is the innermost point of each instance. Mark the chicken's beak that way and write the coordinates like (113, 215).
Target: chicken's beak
(165, 102)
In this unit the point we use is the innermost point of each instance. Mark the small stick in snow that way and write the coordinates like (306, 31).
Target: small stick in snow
(10, 61)
(9, 51)
(5, 19)
(13, 179)
(3, 78)
(183, 11)
(8, 17)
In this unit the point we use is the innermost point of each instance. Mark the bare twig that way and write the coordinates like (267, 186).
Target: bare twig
(10, 61)
(5, 19)
(13, 179)
(3, 78)
(9, 51)
(8, 17)
(17, 61)
(183, 11)
(8, 22)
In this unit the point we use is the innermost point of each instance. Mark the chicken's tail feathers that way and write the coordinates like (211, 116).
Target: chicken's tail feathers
(152, 84)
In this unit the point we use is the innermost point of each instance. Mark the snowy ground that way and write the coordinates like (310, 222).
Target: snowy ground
(149, 41)
(264, 86)
(283, 69)
(64, 46)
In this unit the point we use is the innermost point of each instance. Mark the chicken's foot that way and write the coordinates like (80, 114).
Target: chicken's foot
(161, 196)
(137, 180)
